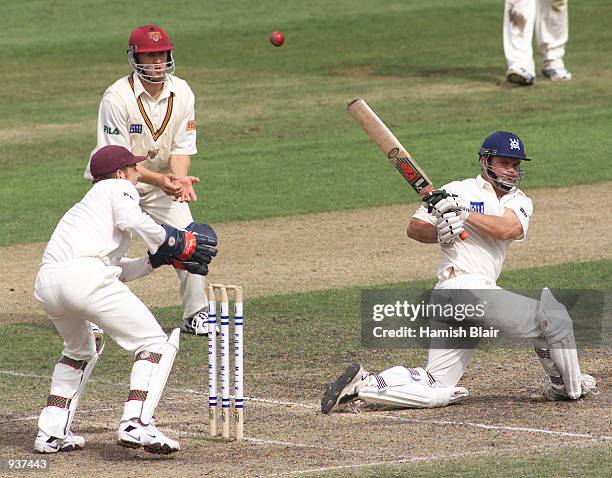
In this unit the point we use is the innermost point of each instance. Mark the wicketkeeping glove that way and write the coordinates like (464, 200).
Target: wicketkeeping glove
(450, 226)
(185, 250)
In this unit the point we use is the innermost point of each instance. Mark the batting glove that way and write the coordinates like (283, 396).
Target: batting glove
(452, 203)
(450, 226)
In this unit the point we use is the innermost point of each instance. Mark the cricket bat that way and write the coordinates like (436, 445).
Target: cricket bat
(386, 141)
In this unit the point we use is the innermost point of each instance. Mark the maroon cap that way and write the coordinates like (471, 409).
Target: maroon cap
(111, 158)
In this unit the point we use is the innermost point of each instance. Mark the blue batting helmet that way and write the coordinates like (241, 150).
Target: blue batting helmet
(502, 143)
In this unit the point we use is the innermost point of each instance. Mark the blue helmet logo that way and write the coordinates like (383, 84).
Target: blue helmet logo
(502, 143)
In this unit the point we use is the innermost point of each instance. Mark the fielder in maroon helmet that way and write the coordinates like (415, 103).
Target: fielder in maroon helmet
(150, 53)
(151, 112)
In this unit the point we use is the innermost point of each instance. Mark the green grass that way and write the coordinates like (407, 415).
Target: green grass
(583, 461)
(274, 138)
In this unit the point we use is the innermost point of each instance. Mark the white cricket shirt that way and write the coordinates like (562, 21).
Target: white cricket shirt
(101, 226)
(156, 128)
(479, 253)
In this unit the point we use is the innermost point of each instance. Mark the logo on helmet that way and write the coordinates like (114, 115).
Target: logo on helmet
(515, 144)
(155, 36)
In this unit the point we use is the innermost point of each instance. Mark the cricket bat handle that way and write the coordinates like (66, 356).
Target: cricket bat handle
(390, 146)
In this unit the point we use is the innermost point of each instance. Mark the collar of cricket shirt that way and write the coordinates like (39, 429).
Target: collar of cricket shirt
(136, 86)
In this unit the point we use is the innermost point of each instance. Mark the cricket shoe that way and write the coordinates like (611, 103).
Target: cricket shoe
(519, 76)
(555, 392)
(459, 394)
(344, 389)
(133, 434)
(48, 444)
(197, 324)
(557, 74)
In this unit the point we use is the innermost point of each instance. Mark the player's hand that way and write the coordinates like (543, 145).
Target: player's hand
(449, 226)
(451, 203)
(188, 192)
(168, 183)
(435, 197)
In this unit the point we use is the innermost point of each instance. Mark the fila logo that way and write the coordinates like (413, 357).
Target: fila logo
(111, 130)
(477, 206)
(135, 129)
(515, 144)
(524, 212)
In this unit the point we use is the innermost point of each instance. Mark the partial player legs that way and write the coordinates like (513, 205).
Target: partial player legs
(551, 30)
(149, 376)
(396, 387)
(519, 17)
(70, 376)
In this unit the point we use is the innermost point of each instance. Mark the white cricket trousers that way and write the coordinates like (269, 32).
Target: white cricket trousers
(549, 19)
(513, 313)
(86, 290)
(164, 210)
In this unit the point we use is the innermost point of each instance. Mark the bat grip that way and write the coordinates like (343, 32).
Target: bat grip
(464, 235)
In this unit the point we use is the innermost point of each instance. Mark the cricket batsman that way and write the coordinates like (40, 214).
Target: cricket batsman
(494, 212)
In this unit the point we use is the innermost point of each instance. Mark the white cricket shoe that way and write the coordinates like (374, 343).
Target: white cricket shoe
(344, 389)
(48, 444)
(557, 74)
(554, 392)
(459, 394)
(196, 325)
(519, 76)
(133, 434)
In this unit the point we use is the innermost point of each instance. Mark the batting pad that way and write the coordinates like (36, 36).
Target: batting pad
(408, 388)
(149, 376)
(558, 332)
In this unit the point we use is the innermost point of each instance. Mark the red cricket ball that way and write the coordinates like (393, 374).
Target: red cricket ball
(277, 38)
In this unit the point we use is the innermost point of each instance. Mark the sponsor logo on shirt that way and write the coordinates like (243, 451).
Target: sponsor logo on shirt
(524, 212)
(135, 129)
(152, 153)
(191, 125)
(111, 129)
(477, 206)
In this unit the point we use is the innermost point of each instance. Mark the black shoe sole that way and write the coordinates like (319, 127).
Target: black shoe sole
(156, 448)
(159, 449)
(330, 398)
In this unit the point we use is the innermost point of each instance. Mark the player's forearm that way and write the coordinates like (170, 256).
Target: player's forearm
(501, 228)
(149, 177)
(422, 231)
(179, 164)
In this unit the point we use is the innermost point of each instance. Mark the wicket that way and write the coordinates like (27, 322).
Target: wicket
(225, 361)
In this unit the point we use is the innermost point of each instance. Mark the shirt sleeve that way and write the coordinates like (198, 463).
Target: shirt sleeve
(422, 214)
(132, 269)
(184, 138)
(129, 217)
(112, 127)
(523, 208)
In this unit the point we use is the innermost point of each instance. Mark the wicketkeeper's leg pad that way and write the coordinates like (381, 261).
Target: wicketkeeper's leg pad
(558, 333)
(149, 376)
(67, 384)
(409, 388)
